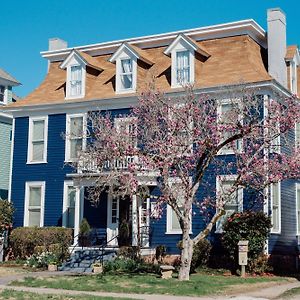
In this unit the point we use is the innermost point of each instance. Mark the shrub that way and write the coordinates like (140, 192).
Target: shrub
(201, 254)
(41, 260)
(6, 215)
(251, 226)
(128, 252)
(24, 240)
(84, 230)
(128, 265)
(160, 252)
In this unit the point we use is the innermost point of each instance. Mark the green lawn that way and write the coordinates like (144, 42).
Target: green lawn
(17, 295)
(199, 284)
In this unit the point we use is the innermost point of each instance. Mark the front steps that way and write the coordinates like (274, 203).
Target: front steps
(81, 261)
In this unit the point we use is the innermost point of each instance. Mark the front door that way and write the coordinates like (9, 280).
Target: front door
(112, 220)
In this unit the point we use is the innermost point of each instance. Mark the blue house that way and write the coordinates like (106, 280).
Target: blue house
(108, 76)
(7, 82)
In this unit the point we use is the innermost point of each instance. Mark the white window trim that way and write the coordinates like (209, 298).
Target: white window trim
(67, 143)
(279, 206)
(181, 48)
(297, 209)
(293, 69)
(119, 89)
(219, 113)
(169, 229)
(219, 180)
(5, 95)
(67, 184)
(28, 185)
(68, 83)
(30, 133)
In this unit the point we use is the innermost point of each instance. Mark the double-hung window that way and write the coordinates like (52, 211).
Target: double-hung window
(173, 226)
(183, 68)
(228, 118)
(232, 198)
(34, 204)
(75, 81)
(75, 136)
(37, 143)
(69, 205)
(276, 207)
(126, 74)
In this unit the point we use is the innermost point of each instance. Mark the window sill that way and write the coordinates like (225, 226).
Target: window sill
(176, 232)
(74, 97)
(275, 232)
(36, 162)
(126, 91)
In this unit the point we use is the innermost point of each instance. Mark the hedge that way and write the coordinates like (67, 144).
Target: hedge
(24, 240)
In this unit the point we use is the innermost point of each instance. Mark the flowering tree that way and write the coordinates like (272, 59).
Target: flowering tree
(176, 140)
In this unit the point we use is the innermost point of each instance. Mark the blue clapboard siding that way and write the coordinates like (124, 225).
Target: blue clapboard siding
(53, 172)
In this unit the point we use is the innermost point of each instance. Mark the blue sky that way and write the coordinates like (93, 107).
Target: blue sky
(26, 26)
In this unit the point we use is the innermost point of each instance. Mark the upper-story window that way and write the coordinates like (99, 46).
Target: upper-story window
(182, 51)
(76, 75)
(183, 68)
(2, 93)
(75, 136)
(75, 81)
(228, 118)
(126, 74)
(37, 140)
(293, 71)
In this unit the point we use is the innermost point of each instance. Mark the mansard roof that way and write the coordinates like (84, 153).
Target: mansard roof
(233, 60)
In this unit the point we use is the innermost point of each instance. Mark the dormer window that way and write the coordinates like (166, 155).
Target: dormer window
(126, 74)
(125, 58)
(182, 51)
(75, 84)
(183, 68)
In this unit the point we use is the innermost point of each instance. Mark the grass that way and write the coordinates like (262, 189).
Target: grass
(199, 284)
(18, 295)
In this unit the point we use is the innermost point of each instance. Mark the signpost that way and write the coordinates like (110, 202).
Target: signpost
(243, 256)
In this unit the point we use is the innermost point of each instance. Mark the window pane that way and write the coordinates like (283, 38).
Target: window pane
(38, 151)
(71, 196)
(175, 222)
(76, 127)
(126, 73)
(75, 147)
(38, 130)
(35, 194)
(183, 66)
(275, 218)
(70, 217)
(275, 194)
(34, 217)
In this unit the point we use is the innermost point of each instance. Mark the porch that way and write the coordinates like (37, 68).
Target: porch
(114, 221)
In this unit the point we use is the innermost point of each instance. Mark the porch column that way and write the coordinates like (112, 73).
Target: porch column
(134, 221)
(78, 212)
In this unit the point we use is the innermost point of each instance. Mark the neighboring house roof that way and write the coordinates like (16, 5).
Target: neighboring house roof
(232, 60)
(6, 76)
(290, 52)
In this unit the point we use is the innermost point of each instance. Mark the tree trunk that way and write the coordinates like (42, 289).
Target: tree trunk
(186, 255)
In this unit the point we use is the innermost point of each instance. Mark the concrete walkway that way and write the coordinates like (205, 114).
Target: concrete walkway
(258, 294)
